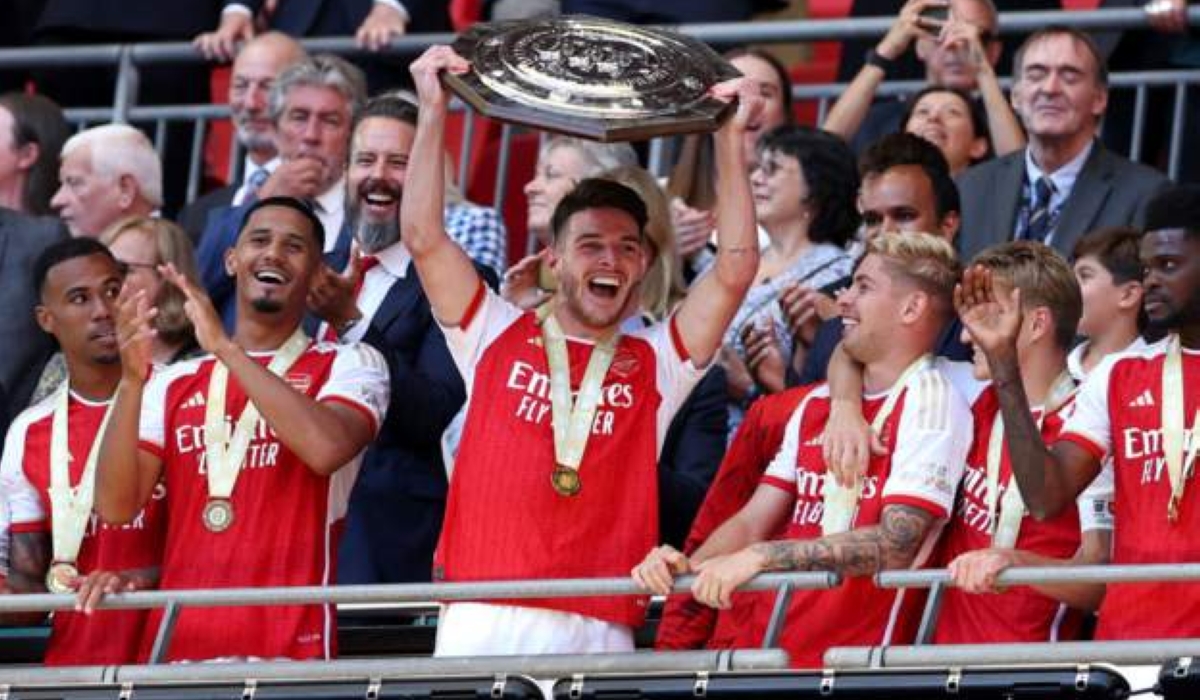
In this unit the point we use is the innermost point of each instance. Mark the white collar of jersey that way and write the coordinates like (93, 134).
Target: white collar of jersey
(75, 395)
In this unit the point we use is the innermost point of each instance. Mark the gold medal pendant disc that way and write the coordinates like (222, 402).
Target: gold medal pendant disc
(218, 515)
(60, 576)
(565, 481)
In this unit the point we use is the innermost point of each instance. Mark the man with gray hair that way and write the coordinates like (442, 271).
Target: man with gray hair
(258, 63)
(313, 105)
(107, 173)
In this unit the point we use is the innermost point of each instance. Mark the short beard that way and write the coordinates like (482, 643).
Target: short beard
(266, 305)
(373, 237)
(254, 141)
(108, 360)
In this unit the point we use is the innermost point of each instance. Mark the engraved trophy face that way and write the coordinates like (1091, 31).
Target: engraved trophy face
(591, 77)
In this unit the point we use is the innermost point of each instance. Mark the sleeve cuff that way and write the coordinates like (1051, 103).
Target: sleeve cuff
(934, 509)
(31, 526)
(1085, 443)
(372, 419)
(150, 447)
(398, 7)
(473, 308)
(781, 484)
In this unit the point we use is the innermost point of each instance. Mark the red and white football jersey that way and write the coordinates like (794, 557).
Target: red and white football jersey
(928, 434)
(1118, 412)
(286, 517)
(107, 636)
(1020, 614)
(503, 518)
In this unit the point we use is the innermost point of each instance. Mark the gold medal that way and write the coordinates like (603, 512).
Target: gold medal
(571, 419)
(218, 514)
(565, 481)
(60, 576)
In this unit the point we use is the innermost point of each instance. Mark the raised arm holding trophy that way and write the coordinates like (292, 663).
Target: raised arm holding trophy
(547, 486)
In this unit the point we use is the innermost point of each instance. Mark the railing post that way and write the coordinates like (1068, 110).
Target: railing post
(1178, 115)
(166, 628)
(464, 151)
(1139, 123)
(929, 616)
(196, 162)
(126, 90)
(778, 615)
(501, 188)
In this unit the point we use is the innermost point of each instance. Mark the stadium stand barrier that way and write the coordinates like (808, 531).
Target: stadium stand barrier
(474, 138)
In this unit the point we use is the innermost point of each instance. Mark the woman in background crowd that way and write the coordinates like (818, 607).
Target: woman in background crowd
(952, 121)
(805, 198)
(142, 244)
(692, 187)
(32, 132)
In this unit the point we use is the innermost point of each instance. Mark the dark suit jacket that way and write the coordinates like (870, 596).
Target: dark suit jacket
(396, 507)
(26, 347)
(1110, 191)
(181, 19)
(194, 217)
(692, 451)
(220, 234)
(302, 18)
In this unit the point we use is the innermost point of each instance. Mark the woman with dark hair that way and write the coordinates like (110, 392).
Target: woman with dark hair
(949, 119)
(692, 187)
(805, 188)
(32, 132)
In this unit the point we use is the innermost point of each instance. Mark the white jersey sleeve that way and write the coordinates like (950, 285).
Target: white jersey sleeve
(468, 340)
(1096, 502)
(152, 422)
(1090, 421)
(676, 374)
(359, 376)
(783, 464)
(22, 503)
(932, 441)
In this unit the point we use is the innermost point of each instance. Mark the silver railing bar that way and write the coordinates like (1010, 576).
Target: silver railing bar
(548, 666)
(722, 32)
(308, 595)
(1141, 652)
(1109, 573)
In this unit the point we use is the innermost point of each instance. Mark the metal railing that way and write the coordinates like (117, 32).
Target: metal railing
(128, 58)
(1138, 651)
(173, 601)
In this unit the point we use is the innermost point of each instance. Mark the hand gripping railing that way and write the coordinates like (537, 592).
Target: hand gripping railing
(174, 600)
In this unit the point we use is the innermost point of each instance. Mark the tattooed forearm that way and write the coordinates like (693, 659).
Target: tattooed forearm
(28, 560)
(892, 544)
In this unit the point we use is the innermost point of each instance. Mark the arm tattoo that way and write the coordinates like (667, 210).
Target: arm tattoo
(892, 544)
(29, 559)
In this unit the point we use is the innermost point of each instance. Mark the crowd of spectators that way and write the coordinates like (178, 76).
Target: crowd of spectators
(954, 330)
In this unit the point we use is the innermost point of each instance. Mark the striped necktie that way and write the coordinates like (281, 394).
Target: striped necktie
(1037, 226)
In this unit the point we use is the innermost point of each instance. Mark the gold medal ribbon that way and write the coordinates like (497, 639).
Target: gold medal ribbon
(1005, 528)
(1179, 456)
(841, 502)
(224, 455)
(70, 506)
(572, 421)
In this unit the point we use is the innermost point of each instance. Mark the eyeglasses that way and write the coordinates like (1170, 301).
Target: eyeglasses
(127, 267)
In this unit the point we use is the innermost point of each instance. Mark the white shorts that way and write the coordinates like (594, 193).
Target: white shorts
(481, 629)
